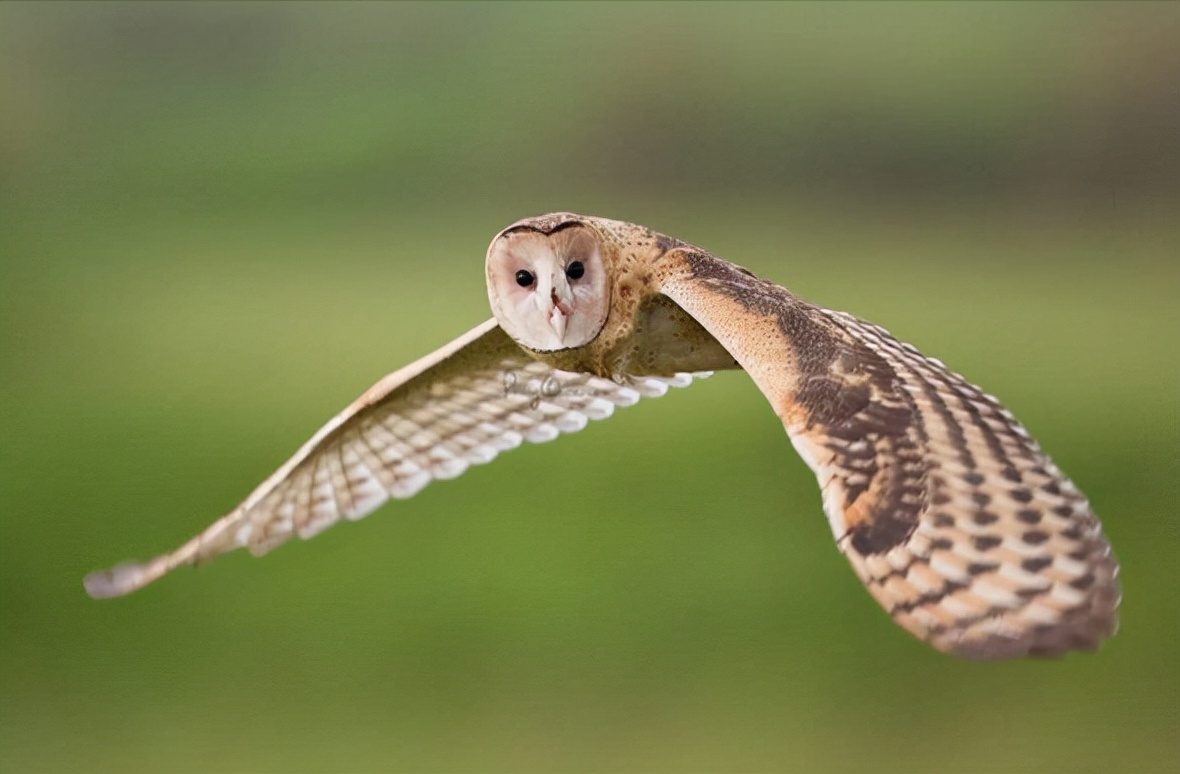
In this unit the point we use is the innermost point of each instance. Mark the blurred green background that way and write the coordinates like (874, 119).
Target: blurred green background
(221, 222)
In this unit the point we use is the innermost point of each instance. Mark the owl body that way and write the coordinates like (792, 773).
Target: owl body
(958, 524)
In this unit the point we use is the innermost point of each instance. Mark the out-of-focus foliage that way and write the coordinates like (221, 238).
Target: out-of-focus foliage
(220, 222)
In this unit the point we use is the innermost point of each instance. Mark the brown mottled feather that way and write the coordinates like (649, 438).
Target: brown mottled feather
(958, 524)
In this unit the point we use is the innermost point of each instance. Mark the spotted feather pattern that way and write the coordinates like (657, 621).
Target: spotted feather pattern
(949, 512)
(459, 407)
(1004, 557)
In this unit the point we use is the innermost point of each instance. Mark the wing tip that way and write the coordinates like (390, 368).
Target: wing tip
(1002, 649)
(1085, 634)
(120, 580)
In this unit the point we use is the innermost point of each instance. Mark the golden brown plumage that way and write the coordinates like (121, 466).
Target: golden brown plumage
(958, 524)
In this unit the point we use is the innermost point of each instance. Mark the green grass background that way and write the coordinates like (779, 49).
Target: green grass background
(219, 223)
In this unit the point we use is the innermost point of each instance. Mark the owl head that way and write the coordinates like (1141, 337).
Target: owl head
(547, 282)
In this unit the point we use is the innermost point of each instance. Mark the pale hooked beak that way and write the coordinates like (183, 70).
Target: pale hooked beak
(559, 315)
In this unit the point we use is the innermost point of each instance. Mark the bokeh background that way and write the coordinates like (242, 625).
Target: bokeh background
(221, 222)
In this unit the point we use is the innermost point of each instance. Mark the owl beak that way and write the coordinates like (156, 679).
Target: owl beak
(559, 315)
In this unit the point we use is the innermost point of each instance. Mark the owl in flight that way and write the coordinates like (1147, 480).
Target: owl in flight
(951, 515)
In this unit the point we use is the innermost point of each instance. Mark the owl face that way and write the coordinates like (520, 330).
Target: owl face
(548, 291)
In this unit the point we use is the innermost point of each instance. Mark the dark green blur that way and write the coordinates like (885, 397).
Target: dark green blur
(219, 223)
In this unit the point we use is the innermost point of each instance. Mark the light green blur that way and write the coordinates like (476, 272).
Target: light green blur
(219, 223)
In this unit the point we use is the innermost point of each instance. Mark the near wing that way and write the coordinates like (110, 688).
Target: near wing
(459, 406)
(960, 527)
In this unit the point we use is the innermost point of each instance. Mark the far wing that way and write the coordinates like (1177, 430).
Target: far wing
(459, 406)
(951, 515)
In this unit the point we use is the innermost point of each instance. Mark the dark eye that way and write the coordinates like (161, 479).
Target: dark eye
(575, 270)
(524, 278)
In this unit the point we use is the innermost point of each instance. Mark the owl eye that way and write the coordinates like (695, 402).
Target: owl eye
(524, 278)
(575, 270)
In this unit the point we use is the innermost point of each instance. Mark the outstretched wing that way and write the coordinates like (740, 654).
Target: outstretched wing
(459, 406)
(967, 534)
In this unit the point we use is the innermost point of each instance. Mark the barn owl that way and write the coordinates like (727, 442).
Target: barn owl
(949, 512)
